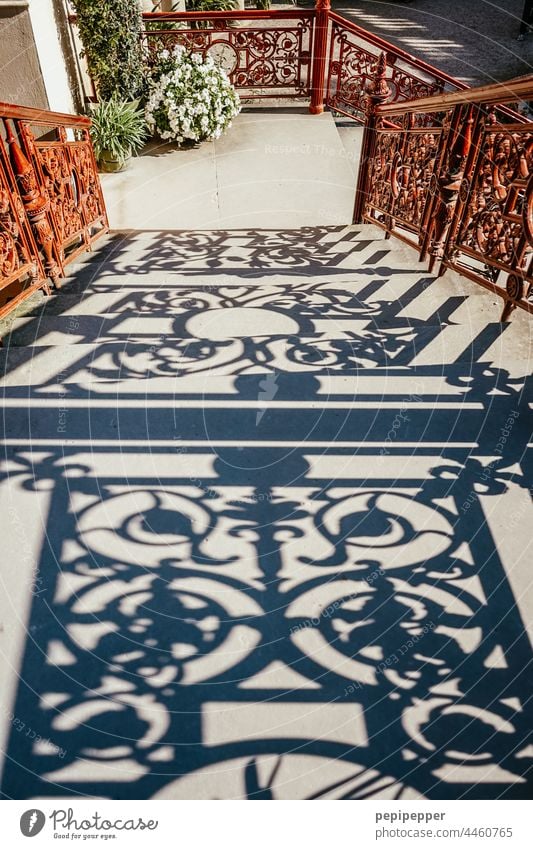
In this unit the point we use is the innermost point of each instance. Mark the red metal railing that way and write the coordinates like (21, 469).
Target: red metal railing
(353, 57)
(296, 54)
(310, 54)
(51, 204)
(452, 175)
(265, 53)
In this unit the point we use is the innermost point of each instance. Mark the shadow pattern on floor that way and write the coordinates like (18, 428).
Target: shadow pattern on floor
(278, 581)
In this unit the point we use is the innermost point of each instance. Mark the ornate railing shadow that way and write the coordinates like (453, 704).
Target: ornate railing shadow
(381, 600)
(251, 581)
(178, 277)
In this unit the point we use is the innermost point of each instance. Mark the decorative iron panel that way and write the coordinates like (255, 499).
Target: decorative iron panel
(352, 67)
(495, 235)
(261, 61)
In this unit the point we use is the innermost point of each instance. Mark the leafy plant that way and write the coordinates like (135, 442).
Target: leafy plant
(118, 126)
(262, 4)
(110, 32)
(190, 98)
(154, 26)
(210, 5)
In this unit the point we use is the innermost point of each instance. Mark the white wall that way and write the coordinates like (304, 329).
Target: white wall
(51, 57)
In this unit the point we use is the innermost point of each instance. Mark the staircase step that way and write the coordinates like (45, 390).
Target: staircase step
(69, 417)
(126, 368)
(368, 385)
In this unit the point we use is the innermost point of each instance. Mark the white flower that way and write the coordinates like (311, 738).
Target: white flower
(193, 100)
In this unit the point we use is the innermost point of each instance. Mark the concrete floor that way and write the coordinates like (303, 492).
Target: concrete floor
(268, 526)
(272, 168)
(267, 503)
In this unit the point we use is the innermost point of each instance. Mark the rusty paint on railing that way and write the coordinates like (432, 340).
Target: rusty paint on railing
(51, 203)
(305, 54)
(452, 175)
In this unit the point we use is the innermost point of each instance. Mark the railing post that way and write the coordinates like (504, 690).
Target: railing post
(320, 50)
(450, 186)
(377, 92)
(37, 205)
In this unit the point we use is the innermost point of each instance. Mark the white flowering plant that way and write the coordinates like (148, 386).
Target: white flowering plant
(190, 98)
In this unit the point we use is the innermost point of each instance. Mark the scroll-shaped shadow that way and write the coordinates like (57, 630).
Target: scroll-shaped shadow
(235, 630)
(267, 582)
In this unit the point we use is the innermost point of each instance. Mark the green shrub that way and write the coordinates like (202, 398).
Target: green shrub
(118, 126)
(210, 5)
(110, 33)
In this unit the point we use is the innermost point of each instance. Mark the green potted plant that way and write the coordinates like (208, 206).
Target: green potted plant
(118, 130)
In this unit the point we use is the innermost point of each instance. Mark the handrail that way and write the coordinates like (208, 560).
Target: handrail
(491, 95)
(459, 187)
(374, 39)
(30, 113)
(250, 14)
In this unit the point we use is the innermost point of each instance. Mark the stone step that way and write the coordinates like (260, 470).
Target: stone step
(69, 415)
(361, 349)
(451, 384)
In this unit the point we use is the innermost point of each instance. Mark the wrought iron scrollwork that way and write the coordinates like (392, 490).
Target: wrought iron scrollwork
(276, 59)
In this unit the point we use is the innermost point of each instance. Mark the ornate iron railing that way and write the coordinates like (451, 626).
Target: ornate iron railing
(295, 54)
(452, 175)
(353, 58)
(309, 54)
(266, 54)
(51, 203)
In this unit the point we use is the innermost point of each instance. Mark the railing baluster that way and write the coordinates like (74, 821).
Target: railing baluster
(377, 92)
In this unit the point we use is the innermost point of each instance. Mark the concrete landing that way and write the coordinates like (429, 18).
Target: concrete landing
(271, 169)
